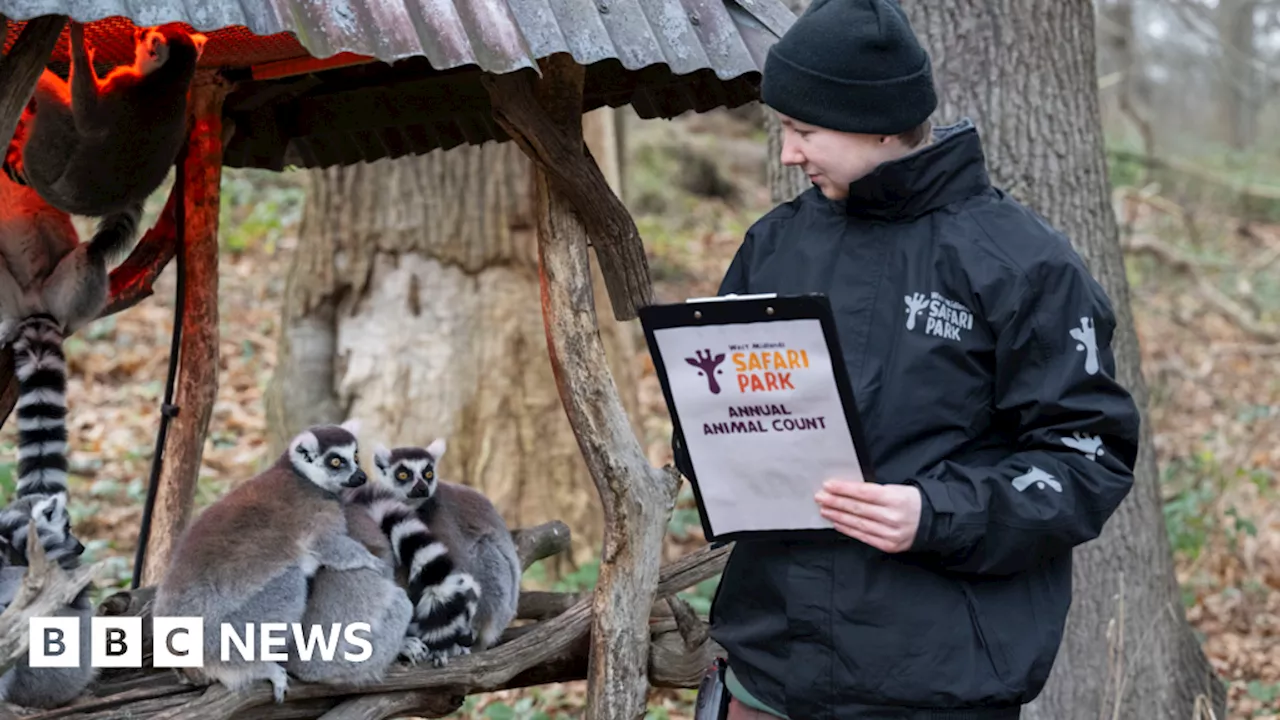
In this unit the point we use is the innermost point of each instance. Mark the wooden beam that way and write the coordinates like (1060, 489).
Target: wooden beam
(637, 498)
(544, 117)
(197, 381)
(22, 67)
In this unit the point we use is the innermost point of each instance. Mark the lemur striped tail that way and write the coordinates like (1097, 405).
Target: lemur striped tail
(115, 233)
(444, 599)
(41, 369)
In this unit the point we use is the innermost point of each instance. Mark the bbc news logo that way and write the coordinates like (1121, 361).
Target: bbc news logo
(178, 642)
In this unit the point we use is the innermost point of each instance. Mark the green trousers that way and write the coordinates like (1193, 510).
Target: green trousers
(740, 694)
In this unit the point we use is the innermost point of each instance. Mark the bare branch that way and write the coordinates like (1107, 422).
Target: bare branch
(46, 588)
(541, 541)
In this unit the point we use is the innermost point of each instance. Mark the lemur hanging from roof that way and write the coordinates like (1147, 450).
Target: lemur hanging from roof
(100, 147)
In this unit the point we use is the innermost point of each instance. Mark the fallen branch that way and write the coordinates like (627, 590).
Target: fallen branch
(1253, 203)
(1224, 304)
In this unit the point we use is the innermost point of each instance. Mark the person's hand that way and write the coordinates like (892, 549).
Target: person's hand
(883, 516)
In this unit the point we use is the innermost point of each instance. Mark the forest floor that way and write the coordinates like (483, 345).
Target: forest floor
(1207, 306)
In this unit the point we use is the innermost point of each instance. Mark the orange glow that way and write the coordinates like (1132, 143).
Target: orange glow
(235, 46)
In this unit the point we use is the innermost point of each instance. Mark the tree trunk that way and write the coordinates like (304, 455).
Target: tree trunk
(784, 182)
(1120, 40)
(1239, 81)
(1023, 70)
(414, 305)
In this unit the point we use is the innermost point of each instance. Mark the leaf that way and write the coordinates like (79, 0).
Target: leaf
(499, 711)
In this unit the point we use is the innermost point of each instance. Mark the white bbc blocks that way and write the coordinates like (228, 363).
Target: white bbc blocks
(177, 642)
(54, 642)
(116, 642)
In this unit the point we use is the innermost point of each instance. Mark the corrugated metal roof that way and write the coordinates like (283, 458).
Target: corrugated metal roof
(663, 57)
(498, 36)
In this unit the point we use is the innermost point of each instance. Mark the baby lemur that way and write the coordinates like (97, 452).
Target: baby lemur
(467, 523)
(100, 146)
(43, 687)
(248, 557)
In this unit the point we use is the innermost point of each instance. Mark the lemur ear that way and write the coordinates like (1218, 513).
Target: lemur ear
(306, 446)
(436, 449)
(381, 456)
(199, 40)
(351, 425)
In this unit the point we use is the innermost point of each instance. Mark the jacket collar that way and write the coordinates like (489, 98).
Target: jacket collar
(948, 170)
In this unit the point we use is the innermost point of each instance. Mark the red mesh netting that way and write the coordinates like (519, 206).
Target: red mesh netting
(112, 41)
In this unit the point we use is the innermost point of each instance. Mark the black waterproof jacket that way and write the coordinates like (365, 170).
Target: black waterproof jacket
(979, 350)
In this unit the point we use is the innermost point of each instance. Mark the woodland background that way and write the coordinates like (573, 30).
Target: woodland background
(405, 292)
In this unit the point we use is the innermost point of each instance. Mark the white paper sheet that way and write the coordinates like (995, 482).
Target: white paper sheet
(762, 420)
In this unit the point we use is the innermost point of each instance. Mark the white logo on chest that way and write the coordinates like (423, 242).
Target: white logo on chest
(943, 318)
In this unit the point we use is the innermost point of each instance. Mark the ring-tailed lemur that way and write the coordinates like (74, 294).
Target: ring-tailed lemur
(22, 684)
(41, 370)
(248, 557)
(467, 523)
(100, 146)
(445, 599)
(45, 269)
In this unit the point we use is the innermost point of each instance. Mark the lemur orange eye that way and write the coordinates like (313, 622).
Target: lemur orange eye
(428, 474)
(402, 475)
(336, 462)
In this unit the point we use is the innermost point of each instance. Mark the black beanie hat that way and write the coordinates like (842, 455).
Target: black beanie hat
(851, 65)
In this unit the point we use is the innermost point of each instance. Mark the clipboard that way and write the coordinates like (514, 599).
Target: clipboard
(760, 399)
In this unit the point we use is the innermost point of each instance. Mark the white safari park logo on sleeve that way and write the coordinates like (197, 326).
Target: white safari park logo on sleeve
(1088, 343)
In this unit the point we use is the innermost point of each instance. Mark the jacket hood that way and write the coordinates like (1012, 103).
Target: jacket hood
(951, 168)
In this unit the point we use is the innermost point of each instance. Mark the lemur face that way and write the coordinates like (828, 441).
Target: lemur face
(150, 50)
(328, 456)
(53, 529)
(410, 471)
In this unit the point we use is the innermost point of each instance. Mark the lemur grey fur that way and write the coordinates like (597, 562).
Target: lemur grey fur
(99, 146)
(339, 598)
(247, 558)
(45, 269)
(44, 687)
(445, 600)
(469, 525)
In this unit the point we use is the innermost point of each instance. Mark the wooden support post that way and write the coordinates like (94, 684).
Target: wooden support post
(22, 67)
(558, 148)
(576, 208)
(197, 382)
